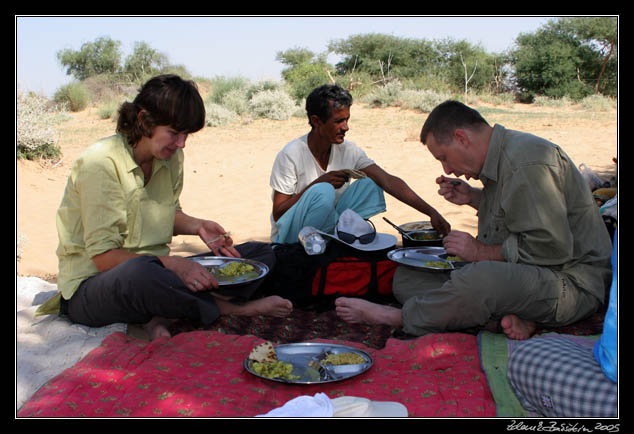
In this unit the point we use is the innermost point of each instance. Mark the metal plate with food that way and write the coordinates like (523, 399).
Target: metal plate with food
(416, 226)
(419, 233)
(427, 258)
(307, 362)
(232, 271)
(457, 261)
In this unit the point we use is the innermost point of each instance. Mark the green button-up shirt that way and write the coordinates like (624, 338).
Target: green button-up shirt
(107, 206)
(537, 205)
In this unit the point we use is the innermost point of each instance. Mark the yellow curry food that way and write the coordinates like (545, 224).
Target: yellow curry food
(235, 269)
(276, 369)
(344, 359)
(437, 264)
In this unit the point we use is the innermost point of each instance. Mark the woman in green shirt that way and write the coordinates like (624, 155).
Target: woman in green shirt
(119, 212)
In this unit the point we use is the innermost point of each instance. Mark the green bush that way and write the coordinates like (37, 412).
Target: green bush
(272, 104)
(394, 94)
(222, 85)
(423, 100)
(305, 77)
(74, 95)
(263, 85)
(36, 133)
(217, 115)
(385, 96)
(598, 102)
(109, 109)
(546, 101)
(237, 101)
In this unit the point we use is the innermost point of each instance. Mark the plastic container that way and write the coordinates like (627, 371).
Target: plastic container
(313, 242)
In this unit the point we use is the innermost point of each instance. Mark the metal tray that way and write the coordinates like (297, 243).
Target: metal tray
(306, 359)
(418, 257)
(214, 263)
(456, 264)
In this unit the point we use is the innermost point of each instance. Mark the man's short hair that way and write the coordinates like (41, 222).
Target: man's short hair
(447, 117)
(319, 101)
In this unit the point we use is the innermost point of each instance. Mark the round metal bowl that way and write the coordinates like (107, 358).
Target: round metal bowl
(422, 233)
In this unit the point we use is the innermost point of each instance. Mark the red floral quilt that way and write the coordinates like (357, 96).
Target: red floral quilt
(201, 374)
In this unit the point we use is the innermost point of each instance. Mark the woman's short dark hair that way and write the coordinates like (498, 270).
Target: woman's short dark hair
(164, 100)
(447, 117)
(319, 101)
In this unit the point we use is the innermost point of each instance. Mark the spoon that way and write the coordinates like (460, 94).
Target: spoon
(401, 231)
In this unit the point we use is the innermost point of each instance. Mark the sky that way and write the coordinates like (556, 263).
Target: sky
(210, 46)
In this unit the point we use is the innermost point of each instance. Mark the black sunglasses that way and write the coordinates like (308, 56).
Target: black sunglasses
(363, 239)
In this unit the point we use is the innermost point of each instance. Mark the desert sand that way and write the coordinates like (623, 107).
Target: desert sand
(227, 170)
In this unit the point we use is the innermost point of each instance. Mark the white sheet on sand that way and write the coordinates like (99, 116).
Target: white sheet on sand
(47, 345)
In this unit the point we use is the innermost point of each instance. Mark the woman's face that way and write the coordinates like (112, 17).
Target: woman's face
(165, 141)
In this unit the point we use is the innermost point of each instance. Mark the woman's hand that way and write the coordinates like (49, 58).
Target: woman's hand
(217, 239)
(191, 273)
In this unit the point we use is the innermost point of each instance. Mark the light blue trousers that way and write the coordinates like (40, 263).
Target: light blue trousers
(317, 208)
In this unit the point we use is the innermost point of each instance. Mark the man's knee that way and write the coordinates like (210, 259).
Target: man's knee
(322, 193)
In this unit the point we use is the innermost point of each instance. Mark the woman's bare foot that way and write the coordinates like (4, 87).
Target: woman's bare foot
(517, 328)
(357, 310)
(156, 328)
(271, 306)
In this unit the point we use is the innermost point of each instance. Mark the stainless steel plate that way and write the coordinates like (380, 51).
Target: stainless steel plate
(307, 358)
(421, 257)
(456, 264)
(214, 263)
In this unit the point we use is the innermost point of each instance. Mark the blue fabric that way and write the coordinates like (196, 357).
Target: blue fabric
(317, 208)
(606, 350)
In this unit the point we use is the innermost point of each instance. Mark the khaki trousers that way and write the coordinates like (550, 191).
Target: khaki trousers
(479, 292)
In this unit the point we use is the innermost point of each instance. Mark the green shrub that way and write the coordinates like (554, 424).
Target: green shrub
(222, 85)
(217, 115)
(272, 104)
(305, 77)
(263, 85)
(423, 100)
(74, 95)
(546, 101)
(598, 102)
(386, 95)
(237, 101)
(110, 109)
(36, 133)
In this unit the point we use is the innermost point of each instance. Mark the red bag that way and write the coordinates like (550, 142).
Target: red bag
(340, 271)
(364, 274)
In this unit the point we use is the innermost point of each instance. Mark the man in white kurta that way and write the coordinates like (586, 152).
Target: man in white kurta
(310, 182)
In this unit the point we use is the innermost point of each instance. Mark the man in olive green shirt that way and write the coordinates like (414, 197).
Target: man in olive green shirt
(542, 253)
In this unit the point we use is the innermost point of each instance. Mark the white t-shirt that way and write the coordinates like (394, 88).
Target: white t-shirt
(295, 167)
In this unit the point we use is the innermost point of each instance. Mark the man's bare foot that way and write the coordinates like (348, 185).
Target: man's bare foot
(271, 306)
(517, 328)
(357, 310)
(156, 328)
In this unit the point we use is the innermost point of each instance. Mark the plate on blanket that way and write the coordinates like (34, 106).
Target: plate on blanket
(233, 271)
(315, 363)
(428, 258)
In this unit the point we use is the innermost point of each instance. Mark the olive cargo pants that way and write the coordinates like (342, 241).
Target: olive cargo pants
(479, 292)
